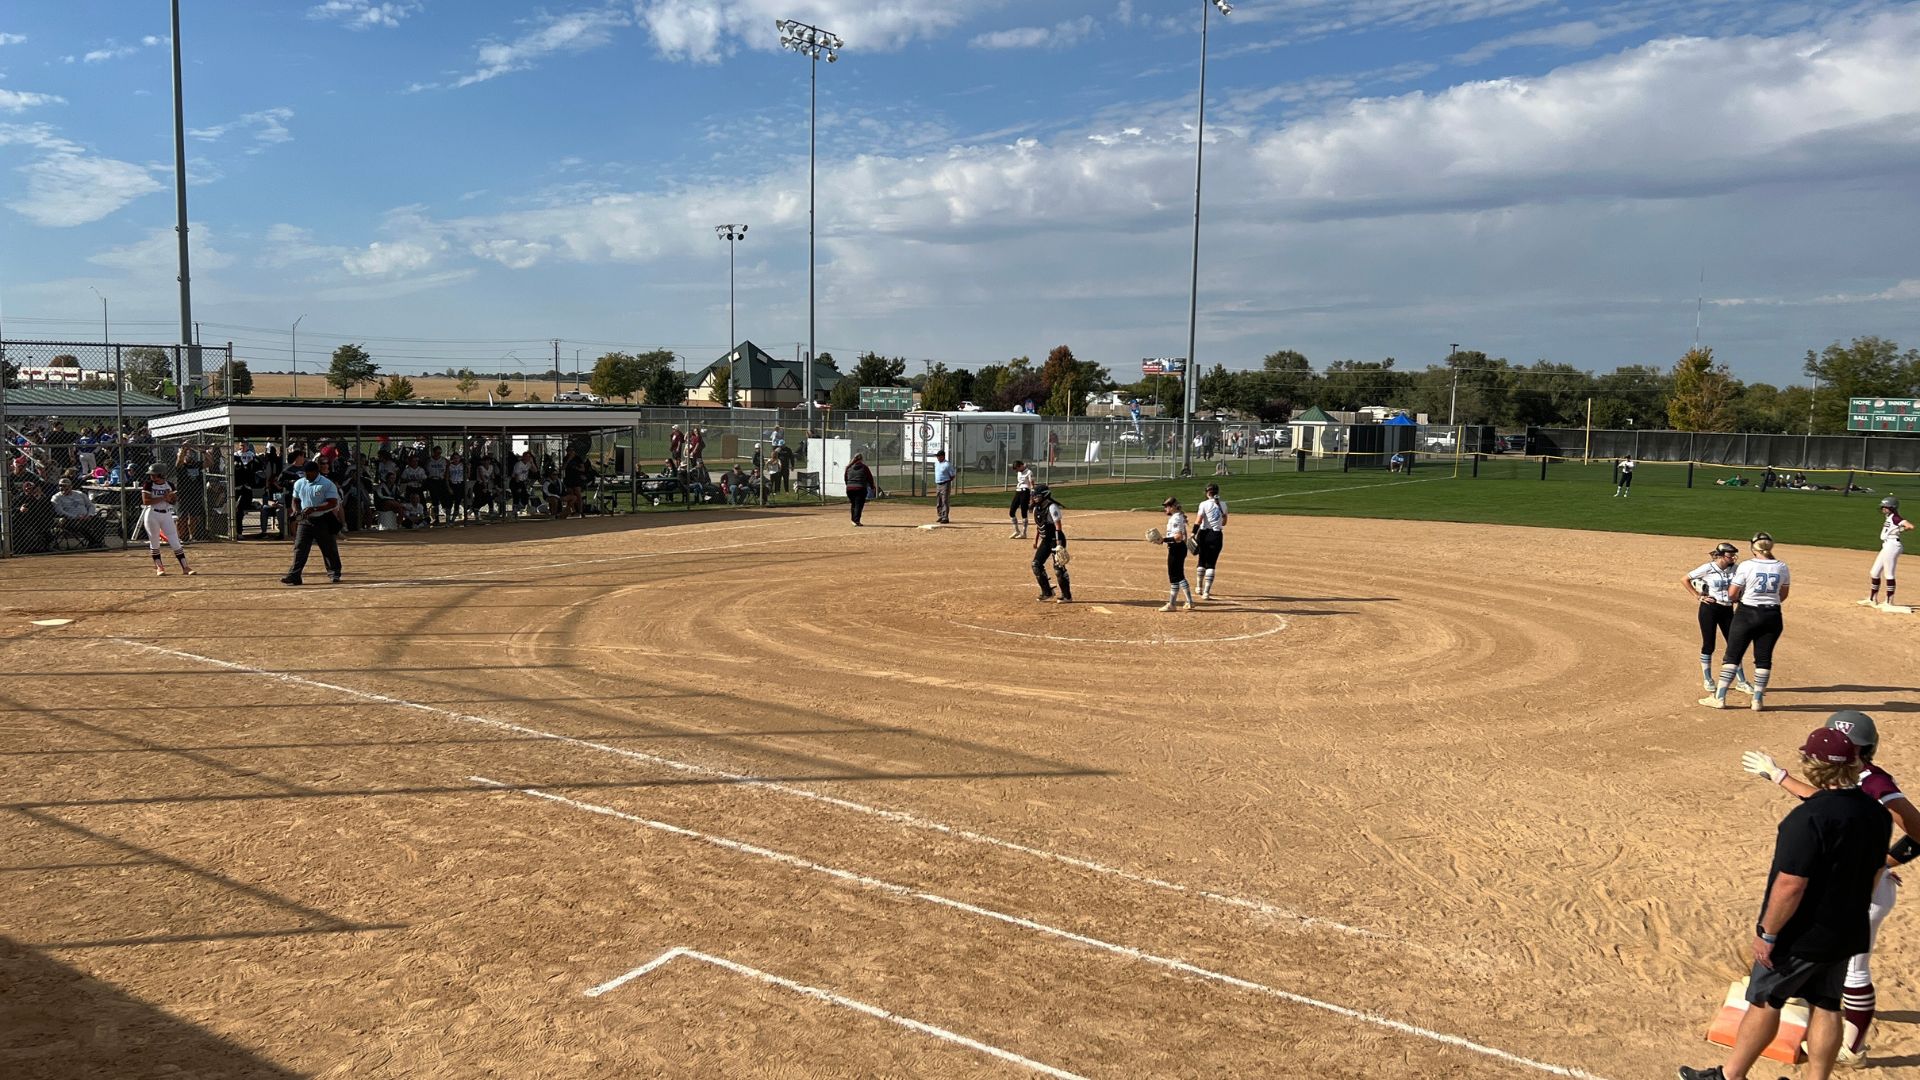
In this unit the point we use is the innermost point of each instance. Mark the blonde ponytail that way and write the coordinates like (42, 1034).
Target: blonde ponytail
(1763, 547)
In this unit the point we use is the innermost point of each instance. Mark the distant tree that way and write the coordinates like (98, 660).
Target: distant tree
(240, 379)
(1867, 367)
(871, 369)
(351, 366)
(504, 390)
(1703, 394)
(940, 390)
(616, 375)
(723, 384)
(64, 360)
(466, 382)
(660, 381)
(395, 388)
(9, 373)
(147, 369)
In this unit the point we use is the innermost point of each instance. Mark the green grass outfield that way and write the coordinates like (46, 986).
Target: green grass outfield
(1509, 492)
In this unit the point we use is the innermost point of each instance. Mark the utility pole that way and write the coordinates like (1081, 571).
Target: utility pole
(812, 43)
(1193, 294)
(556, 367)
(1453, 401)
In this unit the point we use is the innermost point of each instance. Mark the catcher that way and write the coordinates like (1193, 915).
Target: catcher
(1050, 540)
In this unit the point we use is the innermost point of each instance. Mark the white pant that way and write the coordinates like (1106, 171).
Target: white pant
(160, 527)
(1884, 562)
(1860, 966)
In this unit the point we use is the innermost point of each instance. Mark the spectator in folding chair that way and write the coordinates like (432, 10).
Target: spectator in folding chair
(75, 516)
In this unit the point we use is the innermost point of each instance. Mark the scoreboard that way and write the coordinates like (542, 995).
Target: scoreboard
(1883, 414)
(886, 398)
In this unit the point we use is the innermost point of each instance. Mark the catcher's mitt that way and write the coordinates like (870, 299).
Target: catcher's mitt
(1060, 558)
(1193, 544)
(1153, 536)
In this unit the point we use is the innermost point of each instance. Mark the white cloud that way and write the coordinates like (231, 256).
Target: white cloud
(706, 30)
(269, 127)
(13, 39)
(68, 188)
(1579, 34)
(396, 258)
(1058, 36)
(159, 251)
(151, 40)
(37, 136)
(362, 14)
(16, 101)
(573, 32)
(109, 52)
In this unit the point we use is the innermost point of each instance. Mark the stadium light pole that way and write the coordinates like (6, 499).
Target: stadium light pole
(731, 234)
(106, 336)
(296, 357)
(1193, 286)
(810, 42)
(189, 391)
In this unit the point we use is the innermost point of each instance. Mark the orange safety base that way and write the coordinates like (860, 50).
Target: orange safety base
(1786, 1046)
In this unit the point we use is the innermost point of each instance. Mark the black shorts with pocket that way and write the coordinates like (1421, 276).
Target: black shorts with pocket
(1821, 982)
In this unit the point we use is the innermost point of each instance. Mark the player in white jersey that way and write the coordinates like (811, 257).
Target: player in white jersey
(1759, 587)
(1858, 1001)
(1709, 583)
(1623, 478)
(1175, 538)
(1891, 526)
(157, 499)
(1020, 510)
(1210, 530)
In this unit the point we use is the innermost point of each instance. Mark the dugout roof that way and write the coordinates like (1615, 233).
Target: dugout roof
(390, 418)
(71, 401)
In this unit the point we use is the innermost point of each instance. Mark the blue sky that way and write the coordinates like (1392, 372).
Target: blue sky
(456, 182)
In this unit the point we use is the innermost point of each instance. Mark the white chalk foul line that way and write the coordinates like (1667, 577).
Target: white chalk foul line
(1127, 951)
(897, 817)
(832, 998)
(1315, 491)
(414, 582)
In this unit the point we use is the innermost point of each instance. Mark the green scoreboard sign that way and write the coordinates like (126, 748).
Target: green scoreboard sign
(1883, 414)
(886, 398)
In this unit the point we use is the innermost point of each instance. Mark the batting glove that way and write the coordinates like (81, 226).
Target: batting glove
(1760, 763)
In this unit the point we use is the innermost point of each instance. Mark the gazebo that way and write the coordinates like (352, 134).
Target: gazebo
(1318, 433)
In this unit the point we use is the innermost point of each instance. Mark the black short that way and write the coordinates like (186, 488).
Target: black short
(1715, 621)
(1021, 505)
(1821, 982)
(1176, 561)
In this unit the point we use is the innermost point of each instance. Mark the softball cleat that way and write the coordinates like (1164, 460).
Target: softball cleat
(1713, 701)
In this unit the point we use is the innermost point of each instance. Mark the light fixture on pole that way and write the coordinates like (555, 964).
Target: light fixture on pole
(106, 337)
(296, 356)
(1193, 295)
(731, 234)
(812, 43)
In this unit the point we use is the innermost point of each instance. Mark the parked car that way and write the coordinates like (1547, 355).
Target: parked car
(1440, 440)
(1510, 444)
(968, 406)
(578, 397)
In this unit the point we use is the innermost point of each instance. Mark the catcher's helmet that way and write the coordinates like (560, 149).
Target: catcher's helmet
(1043, 492)
(1724, 549)
(1889, 503)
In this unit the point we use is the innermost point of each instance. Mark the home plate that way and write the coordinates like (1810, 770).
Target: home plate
(52, 622)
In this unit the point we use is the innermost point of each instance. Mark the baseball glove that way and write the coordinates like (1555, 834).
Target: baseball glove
(1193, 544)
(1060, 558)
(1153, 536)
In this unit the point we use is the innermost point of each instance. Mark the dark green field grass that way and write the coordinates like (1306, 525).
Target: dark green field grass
(1509, 492)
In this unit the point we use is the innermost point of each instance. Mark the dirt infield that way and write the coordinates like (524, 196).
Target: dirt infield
(1413, 800)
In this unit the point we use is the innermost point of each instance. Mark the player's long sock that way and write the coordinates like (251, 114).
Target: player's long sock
(1725, 682)
(1760, 677)
(1889, 590)
(1706, 667)
(1856, 1009)
(1873, 592)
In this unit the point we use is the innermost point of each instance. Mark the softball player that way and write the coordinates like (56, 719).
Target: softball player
(1759, 587)
(1857, 1000)
(1050, 540)
(1020, 510)
(1708, 583)
(1175, 537)
(157, 499)
(1891, 526)
(1210, 530)
(1623, 478)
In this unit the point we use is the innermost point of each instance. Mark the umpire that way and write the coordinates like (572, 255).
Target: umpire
(312, 509)
(1829, 851)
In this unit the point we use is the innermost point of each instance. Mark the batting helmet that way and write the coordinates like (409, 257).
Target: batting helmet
(1889, 503)
(1724, 549)
(1857, 726)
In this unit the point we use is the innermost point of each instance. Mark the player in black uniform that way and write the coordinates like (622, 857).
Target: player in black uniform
(1050, 541)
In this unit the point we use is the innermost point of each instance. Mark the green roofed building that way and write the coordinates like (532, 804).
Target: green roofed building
(64, 401)
(761, 381)
(1318, 433)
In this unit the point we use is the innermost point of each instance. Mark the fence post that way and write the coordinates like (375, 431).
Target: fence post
(1689, 470)
(1848, 490)
(6, 461)
(1543, 466)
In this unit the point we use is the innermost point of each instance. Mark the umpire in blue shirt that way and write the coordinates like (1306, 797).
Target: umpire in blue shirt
(943, 474)
(312, 510)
